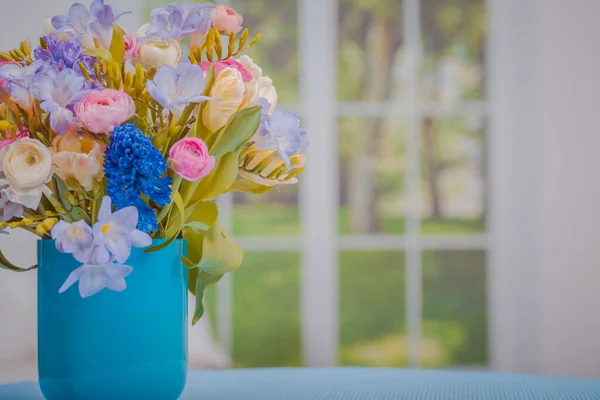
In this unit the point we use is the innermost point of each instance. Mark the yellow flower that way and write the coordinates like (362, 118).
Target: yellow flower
(229, 88)
(49, 223)
(40, 229)
(79, 157)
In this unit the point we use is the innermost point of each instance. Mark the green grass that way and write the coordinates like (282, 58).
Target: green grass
(281, 219)
(372, 309)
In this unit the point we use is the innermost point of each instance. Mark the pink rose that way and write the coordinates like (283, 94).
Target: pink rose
(229, 63)
(132, 48)
(226, 20)
(190, 159)
(101, 110)
(10, 138)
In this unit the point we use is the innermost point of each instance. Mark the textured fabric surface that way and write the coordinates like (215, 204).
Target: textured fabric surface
(362, 384)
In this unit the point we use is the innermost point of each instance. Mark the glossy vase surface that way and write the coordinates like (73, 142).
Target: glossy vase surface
(114, 345)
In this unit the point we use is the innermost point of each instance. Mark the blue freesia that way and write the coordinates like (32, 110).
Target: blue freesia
(117, 231)
(280, 131)
(57, 91)
(94, 278)
(133, 166)
(175, 88)
(18, 81)
(63, 54)
(176, 21)
(87, 25)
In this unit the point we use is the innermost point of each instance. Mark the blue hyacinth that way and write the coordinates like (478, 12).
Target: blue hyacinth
(133, 166)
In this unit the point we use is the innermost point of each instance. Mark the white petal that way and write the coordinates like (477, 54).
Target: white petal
(119, 246)
(116, 274)
(105, 208)
(71, 279)
(92, 280)
(140, 239)
(126, 219)
(58, 229)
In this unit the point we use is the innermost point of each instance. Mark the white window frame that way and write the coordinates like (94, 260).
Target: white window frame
(320, 242)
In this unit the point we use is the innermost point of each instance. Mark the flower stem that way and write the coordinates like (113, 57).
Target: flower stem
(175, 188)
(58, 207)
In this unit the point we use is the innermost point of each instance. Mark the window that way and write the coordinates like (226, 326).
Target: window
(378, 256)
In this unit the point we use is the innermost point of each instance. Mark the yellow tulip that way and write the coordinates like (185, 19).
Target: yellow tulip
(228, 92)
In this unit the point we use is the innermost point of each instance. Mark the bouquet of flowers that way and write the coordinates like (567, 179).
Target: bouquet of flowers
(109, 139)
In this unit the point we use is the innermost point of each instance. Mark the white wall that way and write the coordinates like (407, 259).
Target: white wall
(545, 272)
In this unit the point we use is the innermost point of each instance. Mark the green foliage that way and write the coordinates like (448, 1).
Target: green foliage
(117, 45)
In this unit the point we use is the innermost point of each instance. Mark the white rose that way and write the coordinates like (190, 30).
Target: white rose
(156, 52)
(250, 66)
(268, 91)
(27, 166)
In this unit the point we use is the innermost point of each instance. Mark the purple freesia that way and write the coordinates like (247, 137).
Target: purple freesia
(280, 131)
(94, 278)
(175, 88)
(87, 25)
(19, 80)
(176, 21)
(64, 54)
(8, 209)
(58, 91)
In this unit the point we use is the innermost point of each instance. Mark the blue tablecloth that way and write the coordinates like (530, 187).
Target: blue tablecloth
(362, 384)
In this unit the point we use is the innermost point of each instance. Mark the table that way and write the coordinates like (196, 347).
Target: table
(362, 384)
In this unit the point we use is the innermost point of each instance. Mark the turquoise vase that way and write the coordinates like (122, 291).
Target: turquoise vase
(126, 345)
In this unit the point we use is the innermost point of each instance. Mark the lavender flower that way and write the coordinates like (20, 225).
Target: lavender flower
(76, 238)
(175, 88)
(87, 25)
(8, 209)
(117, 231)
(280, 131)
(19, 80)
(176, 21)
(64, 54)
(94, 278)
(58, 91)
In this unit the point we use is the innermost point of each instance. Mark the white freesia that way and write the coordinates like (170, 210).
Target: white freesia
(27, 166)
(157, 52)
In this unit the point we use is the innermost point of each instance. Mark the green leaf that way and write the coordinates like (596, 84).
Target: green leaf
(242, 125)
(160, 138)
(202, 282)
(117, 44)
(99, 52)
(79, 214)
(139, 122)
(181, 207)
(202, 212)
(5, 264)
(244, 185)
(219, 253)
(219, 180)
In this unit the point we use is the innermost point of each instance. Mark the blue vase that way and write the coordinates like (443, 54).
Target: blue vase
(127, 345)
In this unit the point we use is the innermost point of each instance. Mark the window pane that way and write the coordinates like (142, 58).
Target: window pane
(453, 33)
(277, 51)
(454, 308)
(370, 36)
(453, 184)
(266, 310)
(372, 170)
(269, 214)
(372, 309)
